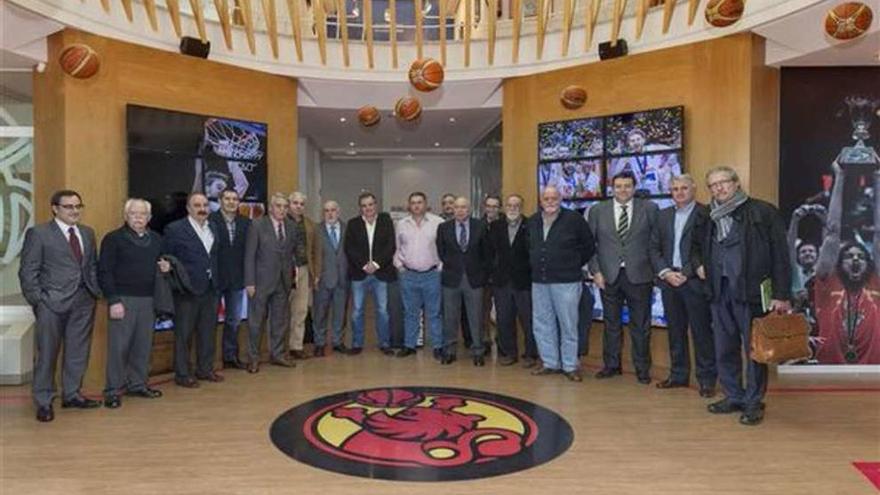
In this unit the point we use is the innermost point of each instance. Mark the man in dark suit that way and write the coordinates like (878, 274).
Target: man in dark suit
(675, 255)
(269, 275)
(463, 247)
(192, 241)
(331, 288)
(512, 282)
(622, 270)
(59, 279)
(232, 231)
(743, 249)
(369, 247)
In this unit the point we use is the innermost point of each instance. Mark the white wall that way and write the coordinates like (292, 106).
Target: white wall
(343, 180)
(310, 175)
(433, 176)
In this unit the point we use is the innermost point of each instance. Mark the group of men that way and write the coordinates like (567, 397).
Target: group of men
(709, 263)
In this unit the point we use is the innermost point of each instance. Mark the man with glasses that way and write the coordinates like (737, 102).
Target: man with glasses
(59, 278)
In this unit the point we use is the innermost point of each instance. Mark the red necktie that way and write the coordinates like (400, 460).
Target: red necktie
(74, 245)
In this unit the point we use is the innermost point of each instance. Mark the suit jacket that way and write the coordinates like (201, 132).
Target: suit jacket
(610, 250)
(561, 256)
(267, 261)
(334, 266)
(313, 256)
(510, 261)
(181, 241)
(663, 243)
(476, 261)
(230, 274)
(49, 273)
(357, 248)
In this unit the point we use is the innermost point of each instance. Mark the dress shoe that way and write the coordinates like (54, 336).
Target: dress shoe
(448, 359)
(319, 351)
(644, 379)
(355, 351)
(405, 352)
(188, 382)
(233, 364)
(299, 355)
(253, 367)
(387, 351)
(45, 414)
(608, 373)
(210, 377)
(438, 353)
(479, 361)
(284, 363)
(707, 391)
(341, 349)
(529, 362)
(507, 361)
(724, 406)
(81, 403)
(752, 416)
(668, 383)
(545, 371)
(146, 393)
(574, 376)
(112, 401)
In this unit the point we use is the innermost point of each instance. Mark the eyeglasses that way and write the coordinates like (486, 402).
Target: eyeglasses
(72, 207)
(720, 183)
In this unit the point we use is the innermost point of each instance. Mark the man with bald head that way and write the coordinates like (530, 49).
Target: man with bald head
(331, 286)
(560, 243)
(463, 248)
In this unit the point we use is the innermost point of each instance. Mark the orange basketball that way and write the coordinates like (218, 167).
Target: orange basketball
(426, 74)
(79, 61)
(721, 13)
(573, 97)
(369, 115)
(848, 20)
(408, 108)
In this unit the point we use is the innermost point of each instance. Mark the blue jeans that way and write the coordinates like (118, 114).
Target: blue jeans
(421, 290)
(359, 289)
(557, 343)
(232, 299)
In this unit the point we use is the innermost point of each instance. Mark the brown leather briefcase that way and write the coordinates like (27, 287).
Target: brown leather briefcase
(779, 338)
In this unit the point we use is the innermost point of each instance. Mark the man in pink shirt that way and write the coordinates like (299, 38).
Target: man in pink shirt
(419, 265)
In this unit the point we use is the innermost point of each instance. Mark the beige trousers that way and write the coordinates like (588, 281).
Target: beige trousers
(299, 308)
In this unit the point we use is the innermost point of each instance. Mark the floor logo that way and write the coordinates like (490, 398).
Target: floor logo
(421, 434)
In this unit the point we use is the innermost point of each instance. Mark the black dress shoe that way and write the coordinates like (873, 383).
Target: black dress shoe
(387, 351)
(112, 402)
(341, 349)
(545, 371)
(479, 361)
(355, 351)
(724, 406)
(188, 382)
(644, 379)
(284, 363)
(608, 373)
(233, 364)
(707, 391)
(752, 416)
(81, 403)
(448, 359)
(45, 414)
(146, 393)
(507, 361)
(210, 377)
(668, 383)
(574, 376)
(319, 351)
(438, 353)
(405, 352)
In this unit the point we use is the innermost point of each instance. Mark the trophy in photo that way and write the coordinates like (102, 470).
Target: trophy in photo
(861, 113)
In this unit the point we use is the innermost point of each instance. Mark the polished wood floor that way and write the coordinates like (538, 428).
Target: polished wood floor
(629, 438)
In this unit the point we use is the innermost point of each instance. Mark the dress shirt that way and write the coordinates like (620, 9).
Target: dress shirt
(371, 231)
(467, 228)
(65, 230)
(512, 229)
(338, 237)
(417, 243)
(547, 221)
(681, 217)
(204, 233)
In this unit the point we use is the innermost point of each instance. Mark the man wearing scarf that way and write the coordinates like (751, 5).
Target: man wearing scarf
(744, 247)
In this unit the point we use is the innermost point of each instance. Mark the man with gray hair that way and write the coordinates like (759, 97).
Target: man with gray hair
(744, 254)
(675, 256)
(308, 267)
(331, 288)
(127, 274)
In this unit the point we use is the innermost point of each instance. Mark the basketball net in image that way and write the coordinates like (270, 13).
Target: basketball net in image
(232, 142)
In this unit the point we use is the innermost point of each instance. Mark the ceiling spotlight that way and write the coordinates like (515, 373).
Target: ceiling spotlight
(409, 156)
(351, 152)
(452, 120)
(351, 143)
(41, 67)
(436, 144)
(342, 119)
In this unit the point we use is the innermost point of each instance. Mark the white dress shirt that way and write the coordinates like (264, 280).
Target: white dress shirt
(204, 233)
(64, 230)
(371, 231)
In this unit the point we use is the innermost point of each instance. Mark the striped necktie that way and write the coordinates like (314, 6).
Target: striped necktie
(623, 223)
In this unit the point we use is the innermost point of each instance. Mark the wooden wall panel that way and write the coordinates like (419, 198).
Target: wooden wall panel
(80, 128)
(730, 100)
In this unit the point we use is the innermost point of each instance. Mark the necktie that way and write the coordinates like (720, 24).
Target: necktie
(623, 224)
(74, 245)
(334, 236)
(462, 236)
(280, 232)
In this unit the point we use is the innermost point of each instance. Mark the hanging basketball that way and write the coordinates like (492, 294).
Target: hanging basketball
(426, 74)
(79, 61)
(368, 115)
(573, 97)
(848, 20)
(722, 13)
(408, 108)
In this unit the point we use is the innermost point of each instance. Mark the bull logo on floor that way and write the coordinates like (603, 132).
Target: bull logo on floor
(421, 434)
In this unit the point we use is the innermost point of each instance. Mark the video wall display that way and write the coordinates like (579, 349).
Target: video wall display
(172, 154)
(580, 157)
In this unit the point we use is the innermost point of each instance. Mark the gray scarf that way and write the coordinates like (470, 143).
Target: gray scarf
(721, 212)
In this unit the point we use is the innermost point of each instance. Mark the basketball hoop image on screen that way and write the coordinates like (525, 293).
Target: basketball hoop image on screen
(233, 142)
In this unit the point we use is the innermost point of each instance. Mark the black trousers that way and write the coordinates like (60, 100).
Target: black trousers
(194, 316)
(688, 306)
(511, 304)
(638, 298)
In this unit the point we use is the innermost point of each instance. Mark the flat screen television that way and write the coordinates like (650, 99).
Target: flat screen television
(172, 154)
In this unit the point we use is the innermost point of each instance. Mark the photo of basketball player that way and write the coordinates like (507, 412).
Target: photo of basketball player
(644, 132)
(652, 172)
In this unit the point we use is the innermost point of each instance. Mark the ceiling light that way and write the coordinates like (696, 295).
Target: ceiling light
(351, 143)
(409, 156)
(452, 120)
(436, 144)
(342, 119)
(351, 152)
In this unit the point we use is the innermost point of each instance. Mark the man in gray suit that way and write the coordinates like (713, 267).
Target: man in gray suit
(622, 268)
(331, 287)
(268, 278)
(59, 278)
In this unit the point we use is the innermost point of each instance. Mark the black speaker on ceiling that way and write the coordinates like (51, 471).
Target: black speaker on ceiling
(194, 47)
(606, 51)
